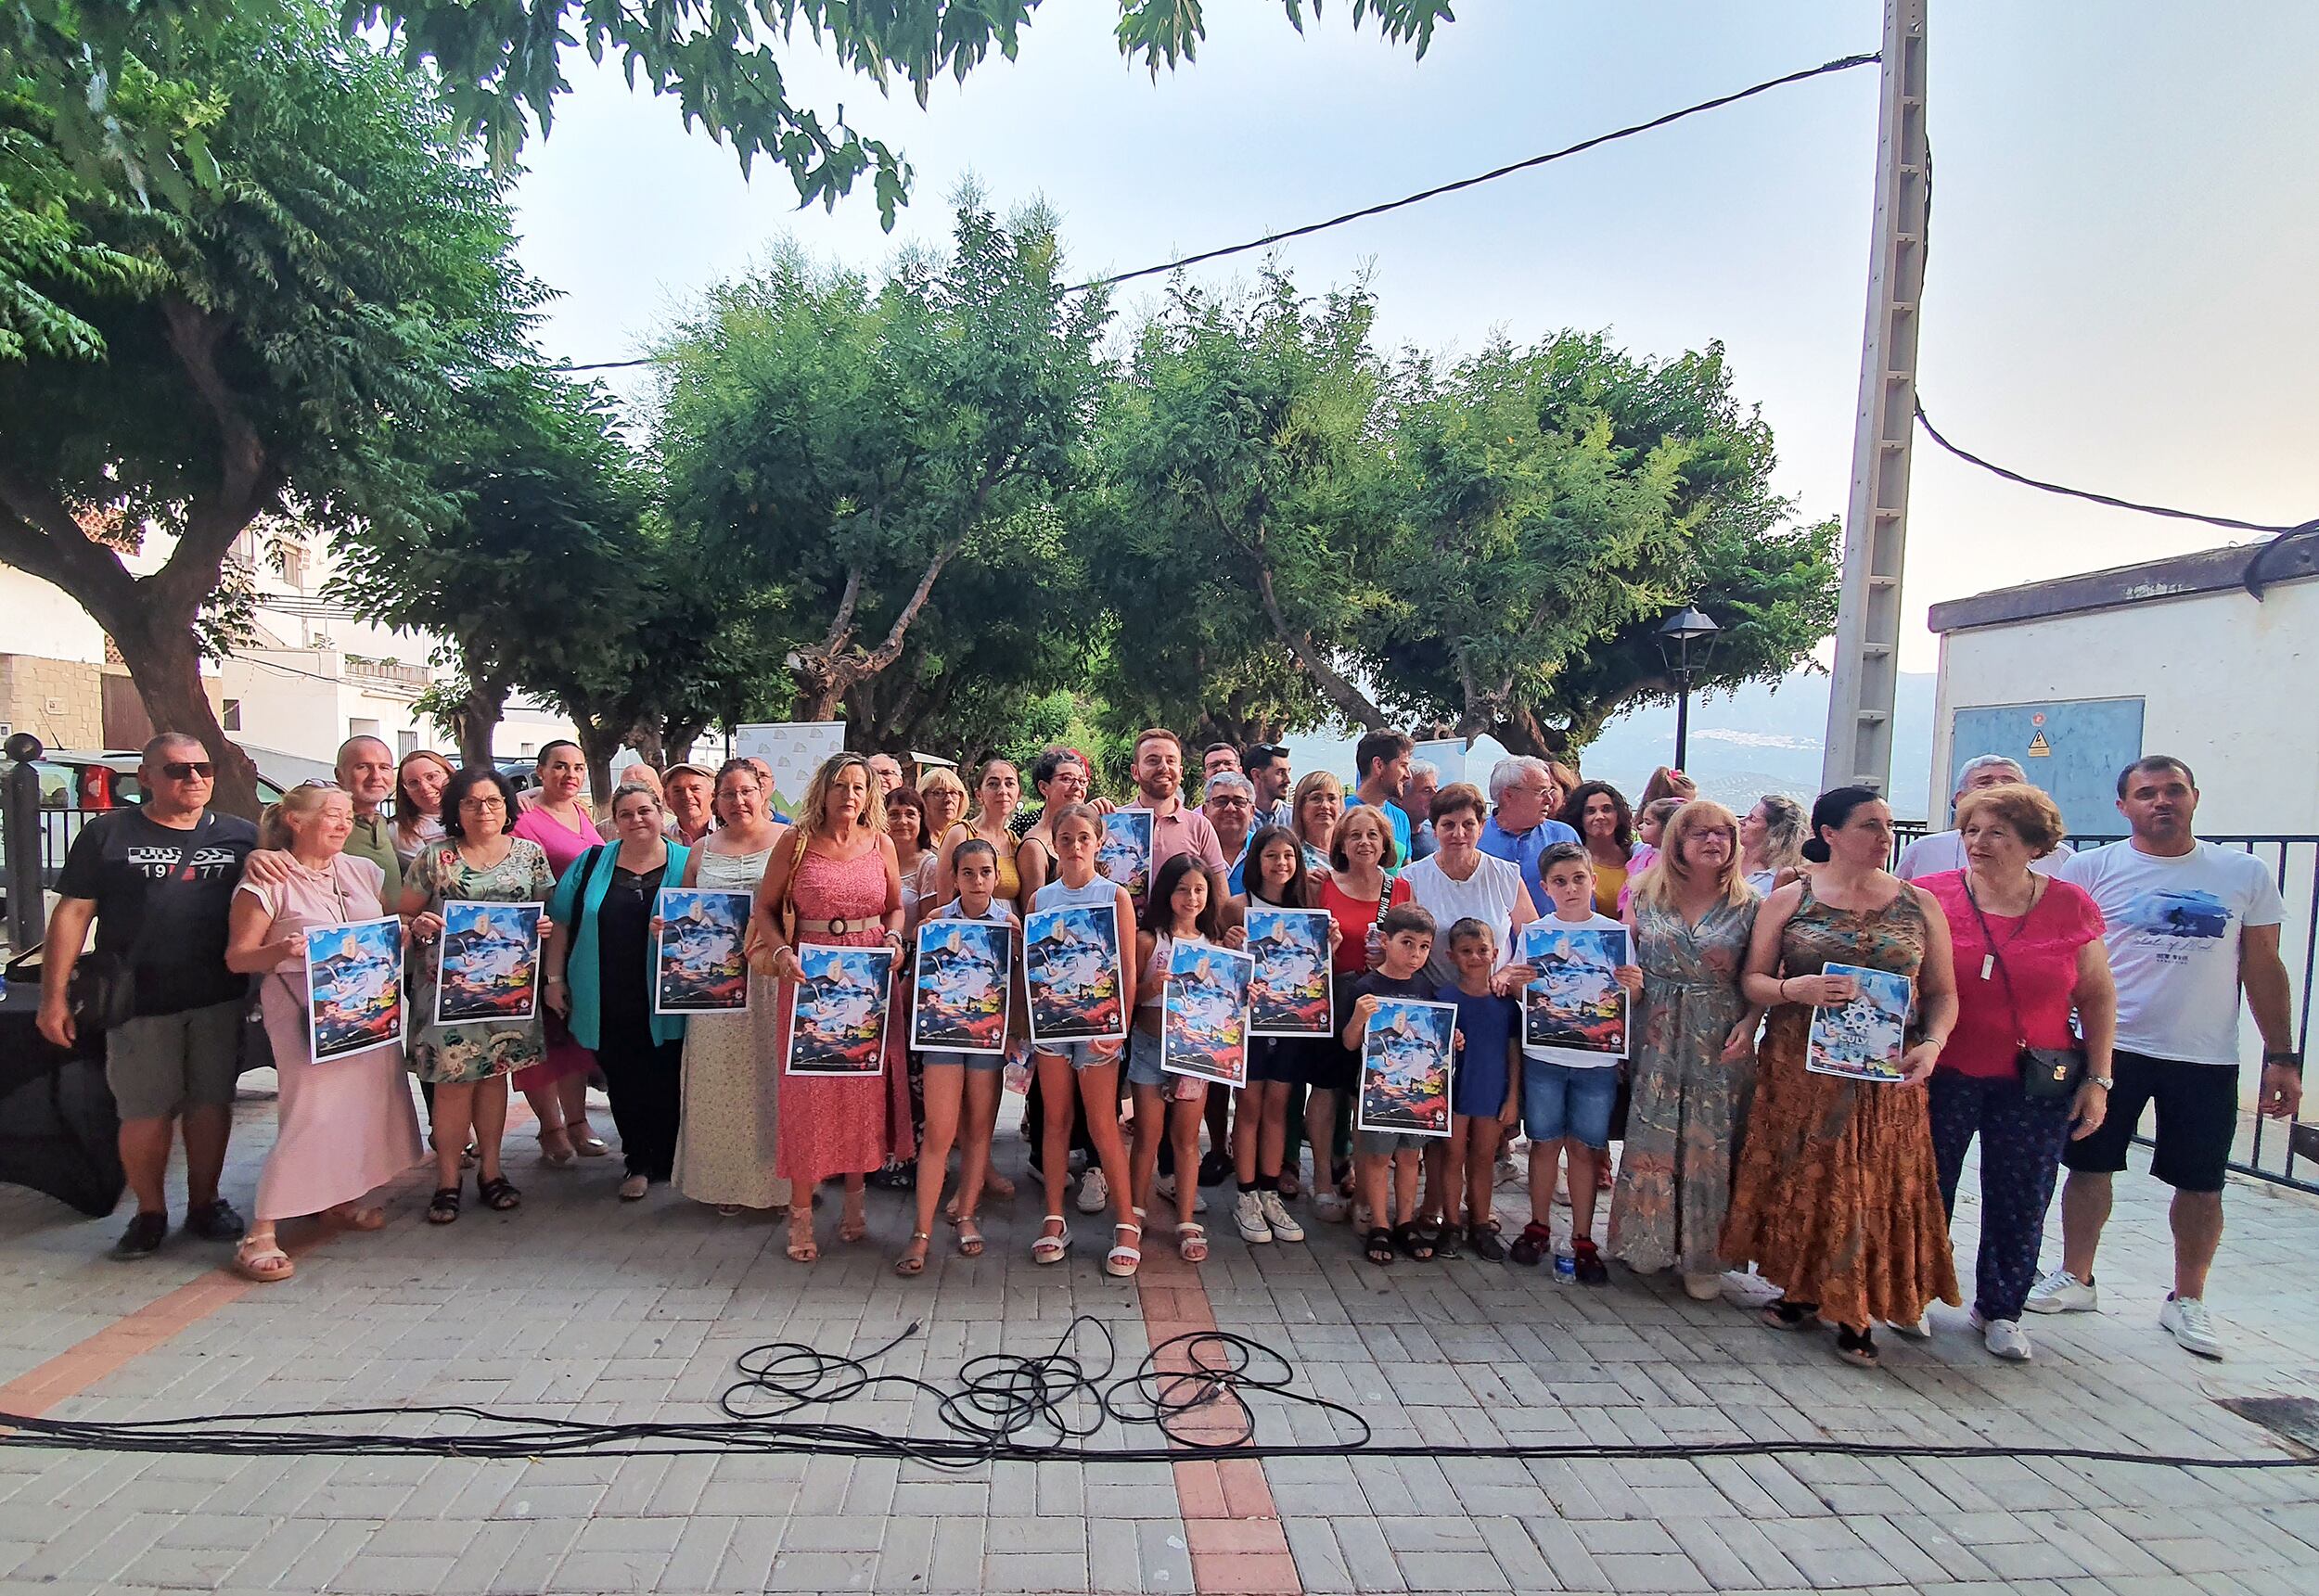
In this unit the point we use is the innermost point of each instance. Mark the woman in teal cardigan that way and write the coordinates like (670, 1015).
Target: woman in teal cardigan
(600, 960)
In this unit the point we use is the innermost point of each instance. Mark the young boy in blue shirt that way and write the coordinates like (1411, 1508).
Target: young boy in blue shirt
(1487, 1099)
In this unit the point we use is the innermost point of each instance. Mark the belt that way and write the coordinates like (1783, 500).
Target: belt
(841, 928)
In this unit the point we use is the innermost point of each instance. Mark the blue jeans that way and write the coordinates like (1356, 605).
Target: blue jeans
(1573, 1101)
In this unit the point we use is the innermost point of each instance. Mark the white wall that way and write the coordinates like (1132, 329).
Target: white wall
(40, 620)
(2228, 684)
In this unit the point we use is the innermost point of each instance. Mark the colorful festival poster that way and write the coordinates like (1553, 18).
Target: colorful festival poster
(1405, 1054)
(1203, 1014)
(1862, 1039)
(1290, 994)
(964, 986)
(700, 968)
(1124, 854)
(353, 986)
(837, 1012)
(489, 966)
(1576, 1004)
(1072, 969)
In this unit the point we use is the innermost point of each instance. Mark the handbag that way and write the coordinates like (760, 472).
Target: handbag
(102, 989)
(2046, 1073)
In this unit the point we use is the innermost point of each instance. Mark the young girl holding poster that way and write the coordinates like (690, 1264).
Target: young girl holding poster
(1088, 1068)
(1182, 908)
(961, 1088)
(1278, 877)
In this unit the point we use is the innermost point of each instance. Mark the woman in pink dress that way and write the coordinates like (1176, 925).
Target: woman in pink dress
(557, 1086)
(836, 869)
(346, 1127)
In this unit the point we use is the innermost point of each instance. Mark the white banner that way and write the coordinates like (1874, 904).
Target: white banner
(795, 749)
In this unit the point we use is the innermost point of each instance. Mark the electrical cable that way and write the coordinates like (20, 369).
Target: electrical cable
(1004, 1408)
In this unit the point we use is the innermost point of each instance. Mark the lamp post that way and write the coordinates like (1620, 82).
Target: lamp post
(1682, 629)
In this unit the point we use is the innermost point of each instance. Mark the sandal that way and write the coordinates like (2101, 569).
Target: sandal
(444, 1205)
(558, 1155)
(1857, 1346)
(1444, 1241)
(998, 1187)
(265, 1262)
(1414, 1243)
(853, 1226)
(969, 1237)
(801, 1247)
(1289, 1185)
(588, 1146)
(730, 1210)
(1378, 1246)
(498, 1195)
(1786, 1315)
(914, 1261)
(1535, 1241)
(632, 1188)
(1483, 1239)
(1123, 1260)
(1191, 1243)
(1051, 1249)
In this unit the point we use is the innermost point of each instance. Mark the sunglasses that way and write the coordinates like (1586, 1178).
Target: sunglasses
(189, 770)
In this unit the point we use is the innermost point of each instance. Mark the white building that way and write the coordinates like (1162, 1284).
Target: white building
(2213, 658)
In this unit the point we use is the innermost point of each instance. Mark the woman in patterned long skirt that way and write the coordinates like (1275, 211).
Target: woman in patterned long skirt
(1838, 1198)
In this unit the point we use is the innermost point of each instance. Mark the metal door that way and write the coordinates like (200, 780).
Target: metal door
(2073, 749)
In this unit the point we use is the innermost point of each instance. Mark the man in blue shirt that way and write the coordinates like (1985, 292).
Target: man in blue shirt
(1383, 759)
(1522, 793)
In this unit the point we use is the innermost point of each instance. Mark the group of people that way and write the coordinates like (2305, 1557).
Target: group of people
(2055, 997)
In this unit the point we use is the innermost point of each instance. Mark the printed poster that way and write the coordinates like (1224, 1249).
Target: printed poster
(488, 963)
(1862, 1039)
(1405, 1054)
(964, 986)
(1203, 1014)
(1290, 993)
(1072, 970)
(700, 968)
(1576, 1004)
(837, 1012)
(794, 749)
(1124, 854)
(353, 986)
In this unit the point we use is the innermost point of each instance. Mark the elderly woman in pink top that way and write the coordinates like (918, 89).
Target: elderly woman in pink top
(347, 1126)
(557, 1086)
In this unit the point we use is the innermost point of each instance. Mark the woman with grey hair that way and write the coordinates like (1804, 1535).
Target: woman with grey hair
(1944, 850)
(1771, 843)
(600, 968)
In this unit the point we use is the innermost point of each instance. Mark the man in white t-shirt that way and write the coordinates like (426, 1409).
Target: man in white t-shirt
(2190, 924)
(1944, 850)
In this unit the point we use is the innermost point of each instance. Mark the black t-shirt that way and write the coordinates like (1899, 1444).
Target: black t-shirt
(624, 932)
(171, 922)
(1377, 984)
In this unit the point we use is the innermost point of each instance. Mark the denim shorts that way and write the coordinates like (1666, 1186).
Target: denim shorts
(1560, 1100)
(1384, 1143)
(931, 1059)
(1082, 1054)
(1143, 1069)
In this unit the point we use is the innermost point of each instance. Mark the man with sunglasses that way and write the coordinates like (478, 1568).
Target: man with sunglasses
(158, 881)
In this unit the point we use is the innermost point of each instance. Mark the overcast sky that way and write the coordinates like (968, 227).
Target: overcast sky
(2126, 218)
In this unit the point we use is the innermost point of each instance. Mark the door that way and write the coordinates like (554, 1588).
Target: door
(2073, 749)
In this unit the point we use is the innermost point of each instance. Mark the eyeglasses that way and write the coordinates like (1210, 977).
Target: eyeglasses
(189, 770)
(317, 785)
(483, 805)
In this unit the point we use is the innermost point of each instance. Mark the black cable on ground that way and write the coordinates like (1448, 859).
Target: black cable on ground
(1004, 1408)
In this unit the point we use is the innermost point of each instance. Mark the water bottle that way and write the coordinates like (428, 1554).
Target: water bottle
(1565, 1269)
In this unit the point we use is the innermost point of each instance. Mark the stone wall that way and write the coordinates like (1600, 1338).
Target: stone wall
(59, 701)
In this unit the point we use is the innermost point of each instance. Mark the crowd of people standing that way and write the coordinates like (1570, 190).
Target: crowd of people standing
(2055, 998)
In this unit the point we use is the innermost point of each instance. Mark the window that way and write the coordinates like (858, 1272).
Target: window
(405, 745)
(231, 717)
(361, 727)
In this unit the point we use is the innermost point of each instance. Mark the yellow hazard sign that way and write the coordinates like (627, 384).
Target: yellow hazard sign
(2039, 749)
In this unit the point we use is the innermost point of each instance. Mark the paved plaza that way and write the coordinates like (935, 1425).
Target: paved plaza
(580, 1307)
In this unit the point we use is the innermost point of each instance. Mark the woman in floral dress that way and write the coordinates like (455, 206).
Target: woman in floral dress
(478, 861)
(1693, 1066)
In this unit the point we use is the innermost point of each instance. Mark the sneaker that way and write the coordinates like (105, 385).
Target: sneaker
(2062, 1292)
(2004, 1337)
(144, 1237)
(2187, 1320)
(1094, 1192)
(1248, 1213)
(215, 1222)
(1284, 1223)
(1328, 1208)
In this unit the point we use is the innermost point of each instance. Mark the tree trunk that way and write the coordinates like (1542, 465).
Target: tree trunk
(818, 699)
(597, 745)
(645, 737)
(1348, 699)
(479, 714)
(165, 663)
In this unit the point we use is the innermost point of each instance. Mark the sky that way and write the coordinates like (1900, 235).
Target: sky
(2124, 221)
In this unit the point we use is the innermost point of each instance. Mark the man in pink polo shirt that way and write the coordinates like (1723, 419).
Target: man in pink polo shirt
(1158, 787)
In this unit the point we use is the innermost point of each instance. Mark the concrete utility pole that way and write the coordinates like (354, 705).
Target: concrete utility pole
(1866, 673)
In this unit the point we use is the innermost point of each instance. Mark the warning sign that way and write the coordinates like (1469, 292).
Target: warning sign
(2039, 749)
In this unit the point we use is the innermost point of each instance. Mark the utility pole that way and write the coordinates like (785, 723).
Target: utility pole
(1866, 673)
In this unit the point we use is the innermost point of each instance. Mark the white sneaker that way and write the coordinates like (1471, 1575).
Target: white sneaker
(1920, 1330)
(2062, 1292)
(1249, 1214)
(1094, 1192)
(2004, 1337)
(2187, 1320)
(1329, 1207)
(1284, 1223)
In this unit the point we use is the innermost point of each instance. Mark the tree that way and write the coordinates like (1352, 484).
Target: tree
(835, 447)
(345, 272)
(1556, 503)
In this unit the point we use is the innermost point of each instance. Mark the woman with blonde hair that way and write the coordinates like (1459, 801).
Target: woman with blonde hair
(1693, 1069)
(1771, 843)
(347, 1128)
(944, 796)
(1314, 808)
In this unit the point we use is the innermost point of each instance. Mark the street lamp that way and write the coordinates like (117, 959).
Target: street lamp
(1682, 629)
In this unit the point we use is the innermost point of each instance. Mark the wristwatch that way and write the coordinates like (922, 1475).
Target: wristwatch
(2106, 1082)
(2284, 1058)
